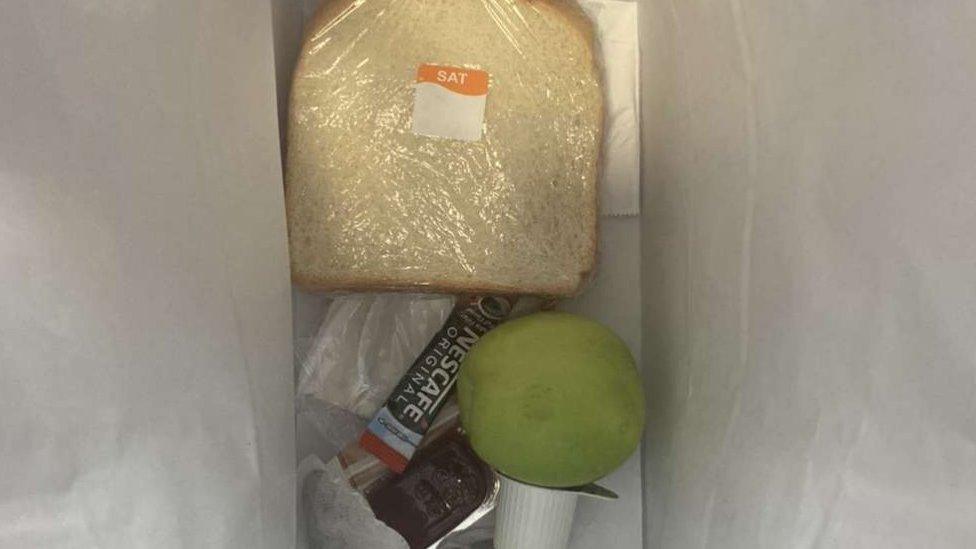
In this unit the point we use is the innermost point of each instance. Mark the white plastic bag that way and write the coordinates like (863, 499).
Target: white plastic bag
(810, 274)
(145, 341)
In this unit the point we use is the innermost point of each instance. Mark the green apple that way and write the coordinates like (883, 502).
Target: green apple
(551, 399)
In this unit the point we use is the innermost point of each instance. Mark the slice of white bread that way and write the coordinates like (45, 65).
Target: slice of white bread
(372, 206)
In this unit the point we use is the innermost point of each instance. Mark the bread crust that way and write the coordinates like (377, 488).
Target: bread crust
(376, 284)
(327, 13)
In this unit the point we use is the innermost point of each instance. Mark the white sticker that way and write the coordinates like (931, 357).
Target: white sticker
(450, 102)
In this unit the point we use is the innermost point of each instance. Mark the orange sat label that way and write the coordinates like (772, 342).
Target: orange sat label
(449, 102)
(456, 79)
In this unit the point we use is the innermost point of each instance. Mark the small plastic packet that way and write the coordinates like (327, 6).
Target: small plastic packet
(364, 345)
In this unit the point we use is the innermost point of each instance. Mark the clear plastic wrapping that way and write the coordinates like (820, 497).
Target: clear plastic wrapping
(445, 146)
(364, 345)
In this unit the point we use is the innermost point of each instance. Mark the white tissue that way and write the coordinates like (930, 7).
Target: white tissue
(616, 29)
(335, 515)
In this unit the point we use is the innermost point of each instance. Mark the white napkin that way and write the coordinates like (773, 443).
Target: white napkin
(616, 29)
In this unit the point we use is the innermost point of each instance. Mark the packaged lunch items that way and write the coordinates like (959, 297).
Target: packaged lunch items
(445, 489)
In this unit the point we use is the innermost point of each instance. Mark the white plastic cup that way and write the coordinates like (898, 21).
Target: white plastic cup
(531, 517)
